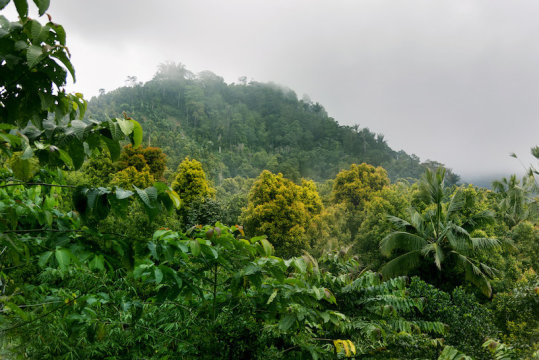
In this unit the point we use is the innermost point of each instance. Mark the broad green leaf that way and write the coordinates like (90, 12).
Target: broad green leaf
(175, 198)
(60, 32)
(35, 30)
(195, 247)
(126, 126)
(158, 275)
(13, 140)
(33, 55)
(114, 148)
(136, 136)
(44, 258)
(4, 126)
(48, 217)
(28, 153)
(42, 5)
(22, 7)
(143, 197)
(450, 353)
(64, 156)
(60, 55)
(63, 256)
(152, 195)
(258, 238)
(251, 269)
(299, 265)
(287, 322)
(209, 251)
(77, 128)
(123, 194)
(76, 152)
(44, 33)
(268, 248)
(317, 293)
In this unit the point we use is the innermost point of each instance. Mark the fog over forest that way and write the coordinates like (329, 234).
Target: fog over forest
(452, 81)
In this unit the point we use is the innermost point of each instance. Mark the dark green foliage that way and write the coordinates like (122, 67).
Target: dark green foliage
(202, 211)
(469, 323)
(526, 239)
(233, 194)
(517, 315)
(211, 293)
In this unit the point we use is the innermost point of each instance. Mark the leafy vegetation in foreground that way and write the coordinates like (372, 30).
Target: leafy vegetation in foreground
(101, 258)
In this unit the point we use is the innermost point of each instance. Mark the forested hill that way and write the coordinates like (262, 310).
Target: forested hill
(241, 129)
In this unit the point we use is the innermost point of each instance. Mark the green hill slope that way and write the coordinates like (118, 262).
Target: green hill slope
(241, 129)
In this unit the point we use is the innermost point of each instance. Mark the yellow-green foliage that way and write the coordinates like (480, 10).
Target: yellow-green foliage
(131, 176)
(359, 184)
(97, 171)
(141, 156)
(190, 182)
(355, 188)
(282, 210)
(23, 169)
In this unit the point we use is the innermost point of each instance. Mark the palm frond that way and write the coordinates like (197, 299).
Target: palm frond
(458, 238)
(451, 353)
(474, 275)
(489, 271)
(401, 240)
(484, 243)
(417, 221)
(397, 221)
(431, 186)
(402, 264)
(437, 251)
(455, 205)
(482, 217)
(439, 257)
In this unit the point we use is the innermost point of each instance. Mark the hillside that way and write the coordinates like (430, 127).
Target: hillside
(241, 129)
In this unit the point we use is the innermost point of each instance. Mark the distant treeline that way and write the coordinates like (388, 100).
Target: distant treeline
(244, 128)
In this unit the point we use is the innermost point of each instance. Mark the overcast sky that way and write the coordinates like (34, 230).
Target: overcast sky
(455, 81)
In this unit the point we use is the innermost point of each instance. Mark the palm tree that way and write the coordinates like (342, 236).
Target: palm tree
(514, 198)
(438, 235)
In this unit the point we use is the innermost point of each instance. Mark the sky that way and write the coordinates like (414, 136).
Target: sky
(456, 81)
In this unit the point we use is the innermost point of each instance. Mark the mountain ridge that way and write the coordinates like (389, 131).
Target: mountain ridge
(242, 129)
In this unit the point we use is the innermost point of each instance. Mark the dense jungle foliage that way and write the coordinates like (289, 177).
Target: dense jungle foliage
(255, 227)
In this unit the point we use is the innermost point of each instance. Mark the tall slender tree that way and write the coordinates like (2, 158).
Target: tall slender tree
(438, 235)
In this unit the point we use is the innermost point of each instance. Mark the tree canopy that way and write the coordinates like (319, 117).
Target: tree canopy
(282, 210)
